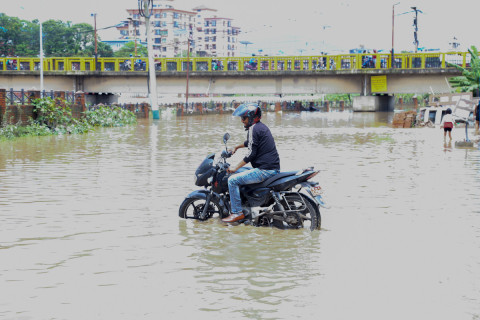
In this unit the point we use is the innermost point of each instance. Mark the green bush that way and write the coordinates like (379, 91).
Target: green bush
(105, 116)
(55, 117)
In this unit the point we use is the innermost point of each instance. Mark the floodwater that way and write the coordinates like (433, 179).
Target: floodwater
(89, 225)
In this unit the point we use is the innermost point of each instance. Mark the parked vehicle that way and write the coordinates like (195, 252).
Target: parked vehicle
(288, 200)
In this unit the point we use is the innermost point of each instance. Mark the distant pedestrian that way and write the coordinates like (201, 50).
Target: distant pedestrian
(447, 124)
(477, 117)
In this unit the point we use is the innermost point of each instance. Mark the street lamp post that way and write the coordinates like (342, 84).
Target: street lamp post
(145, 8)
(393, 35)
(41, 60)
(41, 56)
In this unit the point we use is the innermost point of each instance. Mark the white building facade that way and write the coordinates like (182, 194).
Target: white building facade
(171, 28)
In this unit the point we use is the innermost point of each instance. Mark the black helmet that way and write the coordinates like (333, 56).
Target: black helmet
(250, 110)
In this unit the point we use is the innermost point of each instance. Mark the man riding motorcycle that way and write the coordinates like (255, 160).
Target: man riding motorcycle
(262, 154)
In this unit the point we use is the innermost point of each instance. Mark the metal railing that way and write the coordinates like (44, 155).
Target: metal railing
(365, 61)
(23, 97)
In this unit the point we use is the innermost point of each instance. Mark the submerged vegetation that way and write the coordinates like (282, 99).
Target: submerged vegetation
(54, 117)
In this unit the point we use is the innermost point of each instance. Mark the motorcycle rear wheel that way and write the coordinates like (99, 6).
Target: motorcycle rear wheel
(191, 208)
(295, 201)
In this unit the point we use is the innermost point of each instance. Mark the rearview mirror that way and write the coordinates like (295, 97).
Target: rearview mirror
(226, 137)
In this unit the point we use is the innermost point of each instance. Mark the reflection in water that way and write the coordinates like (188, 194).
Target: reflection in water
(89, 225)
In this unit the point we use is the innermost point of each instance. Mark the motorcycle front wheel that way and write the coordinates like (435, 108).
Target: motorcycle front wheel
(192, 208)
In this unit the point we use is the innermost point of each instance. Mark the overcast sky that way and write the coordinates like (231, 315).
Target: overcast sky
(295, 27)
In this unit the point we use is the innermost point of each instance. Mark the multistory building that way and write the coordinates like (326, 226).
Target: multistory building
(171, 28)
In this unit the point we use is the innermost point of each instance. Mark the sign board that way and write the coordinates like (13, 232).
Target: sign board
(379, 83)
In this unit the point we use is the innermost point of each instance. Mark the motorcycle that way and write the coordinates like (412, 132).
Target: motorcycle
(287, 200)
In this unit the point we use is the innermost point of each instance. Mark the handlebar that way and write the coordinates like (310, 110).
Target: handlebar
(226, 154)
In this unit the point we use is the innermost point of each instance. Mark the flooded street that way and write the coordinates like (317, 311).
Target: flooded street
(89, 225)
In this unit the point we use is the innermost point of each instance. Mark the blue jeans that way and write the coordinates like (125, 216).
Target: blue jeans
(245, 177)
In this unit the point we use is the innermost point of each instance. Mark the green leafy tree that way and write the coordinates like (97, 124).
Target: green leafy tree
(103, 50)
(16, 36)
(58, 40)
(469, 81)
(129, 49)
(83, 37)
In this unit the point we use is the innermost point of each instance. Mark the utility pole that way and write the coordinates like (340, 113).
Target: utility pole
(393, 36)
(145, 8)
(94, 15)
(135, 35)
(415, 28)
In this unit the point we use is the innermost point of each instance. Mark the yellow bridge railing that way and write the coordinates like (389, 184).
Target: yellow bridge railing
(364, 61)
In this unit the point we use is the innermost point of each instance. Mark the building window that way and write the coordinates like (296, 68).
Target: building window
(157, 15)
(157, 32)
(214, 46)
(207, 31)
(214, 23)
(164, 15)
(214, 39)
(157, 24)
(207, 39)
(229, 23)
(175, 15)
(214, 31)
(158, 40)
(136, 16)
(206, 47)
(206, 23)
(175, 24)
(164, 24)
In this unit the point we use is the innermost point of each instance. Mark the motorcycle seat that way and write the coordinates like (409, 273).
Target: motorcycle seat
(270, 180)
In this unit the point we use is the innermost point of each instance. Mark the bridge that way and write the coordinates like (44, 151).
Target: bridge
(322, 74)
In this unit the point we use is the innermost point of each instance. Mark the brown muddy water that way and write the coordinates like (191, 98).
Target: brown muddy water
(89, 225)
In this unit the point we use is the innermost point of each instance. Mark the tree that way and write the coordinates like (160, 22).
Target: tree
(11, 35)
(83, 37)
(469, 81)
(60, 39)
(129, 49)
(103, 50)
